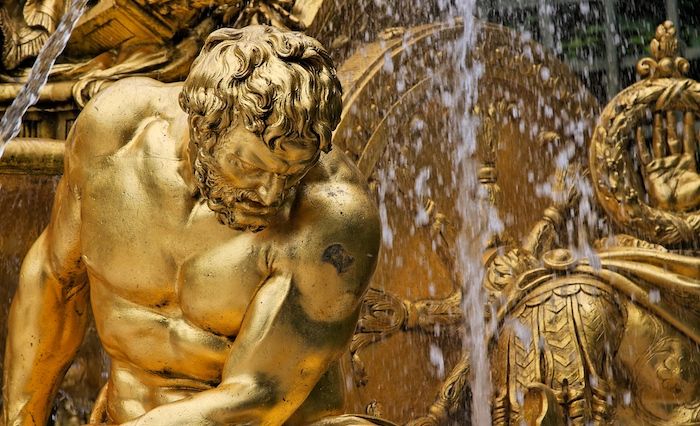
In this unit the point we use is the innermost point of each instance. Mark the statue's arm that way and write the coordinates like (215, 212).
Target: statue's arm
(301, 319)
(48, 315)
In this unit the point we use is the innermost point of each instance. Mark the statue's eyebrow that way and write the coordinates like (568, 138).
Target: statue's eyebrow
(258, 162)
(238, 157)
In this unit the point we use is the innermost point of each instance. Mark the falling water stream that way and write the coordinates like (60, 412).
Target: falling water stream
(476, 218)
(11, 122)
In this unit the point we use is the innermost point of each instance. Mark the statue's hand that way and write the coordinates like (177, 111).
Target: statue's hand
(673, 182)
(670, 167)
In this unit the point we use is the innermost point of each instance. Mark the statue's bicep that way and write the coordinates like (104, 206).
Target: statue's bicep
(63, 232)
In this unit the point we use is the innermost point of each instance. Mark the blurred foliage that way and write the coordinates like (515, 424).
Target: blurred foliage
(635, 35)
(584, 42)
(580, 31)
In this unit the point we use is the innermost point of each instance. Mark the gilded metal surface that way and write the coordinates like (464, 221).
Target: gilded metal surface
(394, 126)
(120, 38)
(33, 156)
(612, 338)
(224, 251)
(401, 310)
(608, 339)
(26, 27)
(666, 148)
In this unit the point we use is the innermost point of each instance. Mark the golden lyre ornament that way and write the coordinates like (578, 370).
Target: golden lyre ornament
(613, 338)
(223, 247)
(657, 115)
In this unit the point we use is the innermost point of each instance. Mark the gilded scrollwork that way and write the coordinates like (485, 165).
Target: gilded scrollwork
(26, 29)
(613, 337)
(277, 13)
(134, 37)
(498, 108)
(383, 315)
(665, 61)
(666, 370)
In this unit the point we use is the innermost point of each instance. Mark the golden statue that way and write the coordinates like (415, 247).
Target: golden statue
(400, 313)
(204, 323)
(612, 338)
(601, 332)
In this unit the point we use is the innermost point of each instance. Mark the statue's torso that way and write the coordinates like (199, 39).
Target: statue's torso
(169, 284)
(186, 278)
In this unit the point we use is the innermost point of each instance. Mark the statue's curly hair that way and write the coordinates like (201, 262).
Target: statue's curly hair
(269, 79)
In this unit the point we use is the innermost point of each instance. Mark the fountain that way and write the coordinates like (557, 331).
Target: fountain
(515, 214)
(11, 120)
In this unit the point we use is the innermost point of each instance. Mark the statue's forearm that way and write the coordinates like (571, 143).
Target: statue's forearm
(276, 360)
(227, 404)
(47, 322)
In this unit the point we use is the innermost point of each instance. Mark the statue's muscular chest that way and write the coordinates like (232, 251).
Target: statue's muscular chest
(148, 242)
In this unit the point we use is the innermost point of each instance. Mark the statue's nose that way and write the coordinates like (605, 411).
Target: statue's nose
(272, 190)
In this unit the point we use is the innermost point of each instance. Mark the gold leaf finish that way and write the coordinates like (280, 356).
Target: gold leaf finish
(595, 322)
(611, 338)
(224, 254)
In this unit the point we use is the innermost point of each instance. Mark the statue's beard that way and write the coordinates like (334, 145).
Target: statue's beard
(236, 208)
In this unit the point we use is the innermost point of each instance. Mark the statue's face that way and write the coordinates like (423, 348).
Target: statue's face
(245, 182)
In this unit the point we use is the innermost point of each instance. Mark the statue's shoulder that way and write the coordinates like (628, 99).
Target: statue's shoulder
(112, 117)
(333, 245)
(339, 207)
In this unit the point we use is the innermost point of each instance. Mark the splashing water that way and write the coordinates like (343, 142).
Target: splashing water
(477, 219)
(11, 122)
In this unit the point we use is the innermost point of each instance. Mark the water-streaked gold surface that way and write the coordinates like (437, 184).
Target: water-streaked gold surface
(224, 253)
(608, 335)
(414, 307)
(388, 370)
